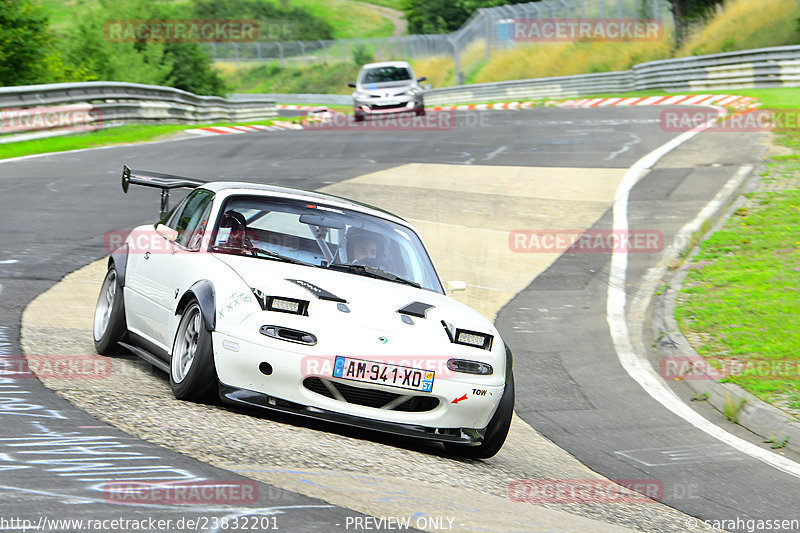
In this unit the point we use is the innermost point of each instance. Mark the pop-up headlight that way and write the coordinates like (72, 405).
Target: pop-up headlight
(281, 304)
(468, 337)
(287, 305)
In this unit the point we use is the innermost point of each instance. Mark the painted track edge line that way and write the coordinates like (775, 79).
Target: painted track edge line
(636, 364)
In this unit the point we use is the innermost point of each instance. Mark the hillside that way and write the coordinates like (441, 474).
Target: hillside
(739, 25)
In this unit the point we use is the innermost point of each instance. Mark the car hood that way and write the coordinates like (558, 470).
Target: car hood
(373, 304)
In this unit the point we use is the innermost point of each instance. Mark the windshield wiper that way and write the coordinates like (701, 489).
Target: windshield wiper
(279, 257)
(261, 252)
(374, 272)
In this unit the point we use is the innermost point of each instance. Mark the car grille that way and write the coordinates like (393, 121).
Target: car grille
(396, 106)
(373, 398)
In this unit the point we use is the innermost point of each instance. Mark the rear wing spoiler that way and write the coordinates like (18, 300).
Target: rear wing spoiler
(159, 180)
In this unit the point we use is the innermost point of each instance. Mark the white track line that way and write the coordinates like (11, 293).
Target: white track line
(637, 365)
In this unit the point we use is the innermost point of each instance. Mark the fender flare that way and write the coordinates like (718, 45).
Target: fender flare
(509, 364)
(203, 292)
(119, 258)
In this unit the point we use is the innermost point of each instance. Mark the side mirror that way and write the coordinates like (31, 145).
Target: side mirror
(422, 78)
(167, 232)
(453, 286)
(353, 85)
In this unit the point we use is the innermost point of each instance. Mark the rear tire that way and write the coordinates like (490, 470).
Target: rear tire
(193, 375)
(109, 316)
(496, 431)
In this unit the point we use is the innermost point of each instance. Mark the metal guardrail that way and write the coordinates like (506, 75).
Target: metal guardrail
(763, 67)
(558, 87)
(61, 107)
(304, 99)
(93, 105)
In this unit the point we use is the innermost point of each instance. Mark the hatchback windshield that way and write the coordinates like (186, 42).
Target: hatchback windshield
(324, 237)
(385, 74)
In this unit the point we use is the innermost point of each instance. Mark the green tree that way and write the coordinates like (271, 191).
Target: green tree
(191, 70)
(798, 31)
(688, 12)
(444, 16)
(27, 52)
(278, 23)
(90, 54)
(362, 56)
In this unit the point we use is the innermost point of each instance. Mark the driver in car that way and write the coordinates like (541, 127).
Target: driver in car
(363, 246)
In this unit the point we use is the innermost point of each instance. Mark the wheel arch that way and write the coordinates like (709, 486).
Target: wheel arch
(509, 364)
(203, 292)
(119, 259)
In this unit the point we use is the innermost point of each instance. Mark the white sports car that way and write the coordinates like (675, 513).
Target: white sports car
(309, 304)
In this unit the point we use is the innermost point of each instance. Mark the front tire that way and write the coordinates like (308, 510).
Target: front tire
(193, 375)
(496, 431)
(109, 316)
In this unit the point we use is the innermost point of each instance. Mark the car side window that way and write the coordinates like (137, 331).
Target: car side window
(191, 218)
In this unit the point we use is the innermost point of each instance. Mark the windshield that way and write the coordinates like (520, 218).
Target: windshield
(385, 74)
(324, 237)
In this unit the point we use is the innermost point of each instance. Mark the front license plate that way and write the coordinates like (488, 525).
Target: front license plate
(390, 102)
(404, 377)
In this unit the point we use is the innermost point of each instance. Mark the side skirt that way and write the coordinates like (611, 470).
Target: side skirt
(147, 356)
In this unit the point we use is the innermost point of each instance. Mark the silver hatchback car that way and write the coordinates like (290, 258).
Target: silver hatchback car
(387, 87)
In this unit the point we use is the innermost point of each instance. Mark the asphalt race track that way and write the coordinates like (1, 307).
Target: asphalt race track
(571, 387)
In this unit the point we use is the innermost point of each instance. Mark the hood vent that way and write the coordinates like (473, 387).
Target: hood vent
(319, 292)
(417, 309)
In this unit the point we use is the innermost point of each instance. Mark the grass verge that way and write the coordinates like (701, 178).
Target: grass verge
(121, 135)
(271, 78)
(740, 303)
(349, 20)
(745, 24)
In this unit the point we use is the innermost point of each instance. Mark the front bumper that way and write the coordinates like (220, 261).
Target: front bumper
(284, 388)
(465, 436)
(378, 106)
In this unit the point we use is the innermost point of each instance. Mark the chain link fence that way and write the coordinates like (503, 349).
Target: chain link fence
(489, 29)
